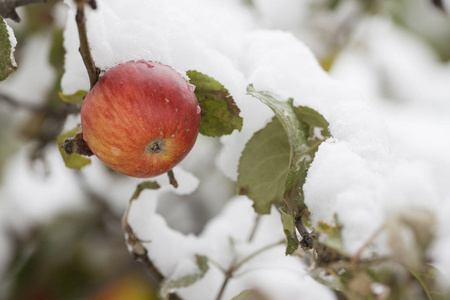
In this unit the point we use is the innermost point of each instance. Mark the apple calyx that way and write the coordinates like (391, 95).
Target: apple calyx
(156, 146)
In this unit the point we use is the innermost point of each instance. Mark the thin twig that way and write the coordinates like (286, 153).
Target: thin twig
(85, 52)
(255, 226)
(358, 254)
(307, 241)
(228, 276)
(230, 272)
(139, 252)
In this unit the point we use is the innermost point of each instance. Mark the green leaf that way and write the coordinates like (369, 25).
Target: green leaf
(299, 124)
(251, 294)
(57, 50)
(313, 119)
(145, 185)
(169, 285)
(73, 161)
(7, 62)
(428, 277)
(220, 114)
(293, 191)
(285, 113)
(288, 222)
(76, 98)
(263, 167)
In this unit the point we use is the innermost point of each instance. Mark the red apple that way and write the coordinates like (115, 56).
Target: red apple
(141, 118)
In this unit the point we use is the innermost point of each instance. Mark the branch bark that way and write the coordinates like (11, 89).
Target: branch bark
(85, 51)
(8, 8)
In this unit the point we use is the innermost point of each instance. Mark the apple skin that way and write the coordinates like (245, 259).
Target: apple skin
(141, 118)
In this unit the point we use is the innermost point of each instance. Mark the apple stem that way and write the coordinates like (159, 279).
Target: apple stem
(172, 179)
(80, 18)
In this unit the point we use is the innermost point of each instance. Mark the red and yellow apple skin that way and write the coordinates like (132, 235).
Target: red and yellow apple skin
(141, 118)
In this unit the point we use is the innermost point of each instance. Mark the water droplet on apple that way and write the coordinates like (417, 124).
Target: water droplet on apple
(191, 87)
(115, 151)
(199, 110)
(167, 100)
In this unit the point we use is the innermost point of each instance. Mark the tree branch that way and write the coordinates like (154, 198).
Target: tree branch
(80, 18)
(18, 104)
(307, 241)
(8, 8)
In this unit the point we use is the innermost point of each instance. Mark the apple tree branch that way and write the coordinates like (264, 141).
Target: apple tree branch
(8, 8)
(84, 49)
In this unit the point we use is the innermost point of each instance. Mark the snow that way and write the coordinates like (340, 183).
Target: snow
(12, 41)
(368, 170)
(26, 84)
(388, 116)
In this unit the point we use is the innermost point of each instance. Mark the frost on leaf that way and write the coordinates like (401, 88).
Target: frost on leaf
(170, 285)
(72, 161)
(219, 112)
(7, 44)
(263, 167)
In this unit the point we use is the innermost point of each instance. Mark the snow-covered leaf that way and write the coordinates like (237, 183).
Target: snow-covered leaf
(169, 285)
(72, 161)
(7, 62)
(219, 112)
(285, 113)
(263, 167)
(313, 119)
